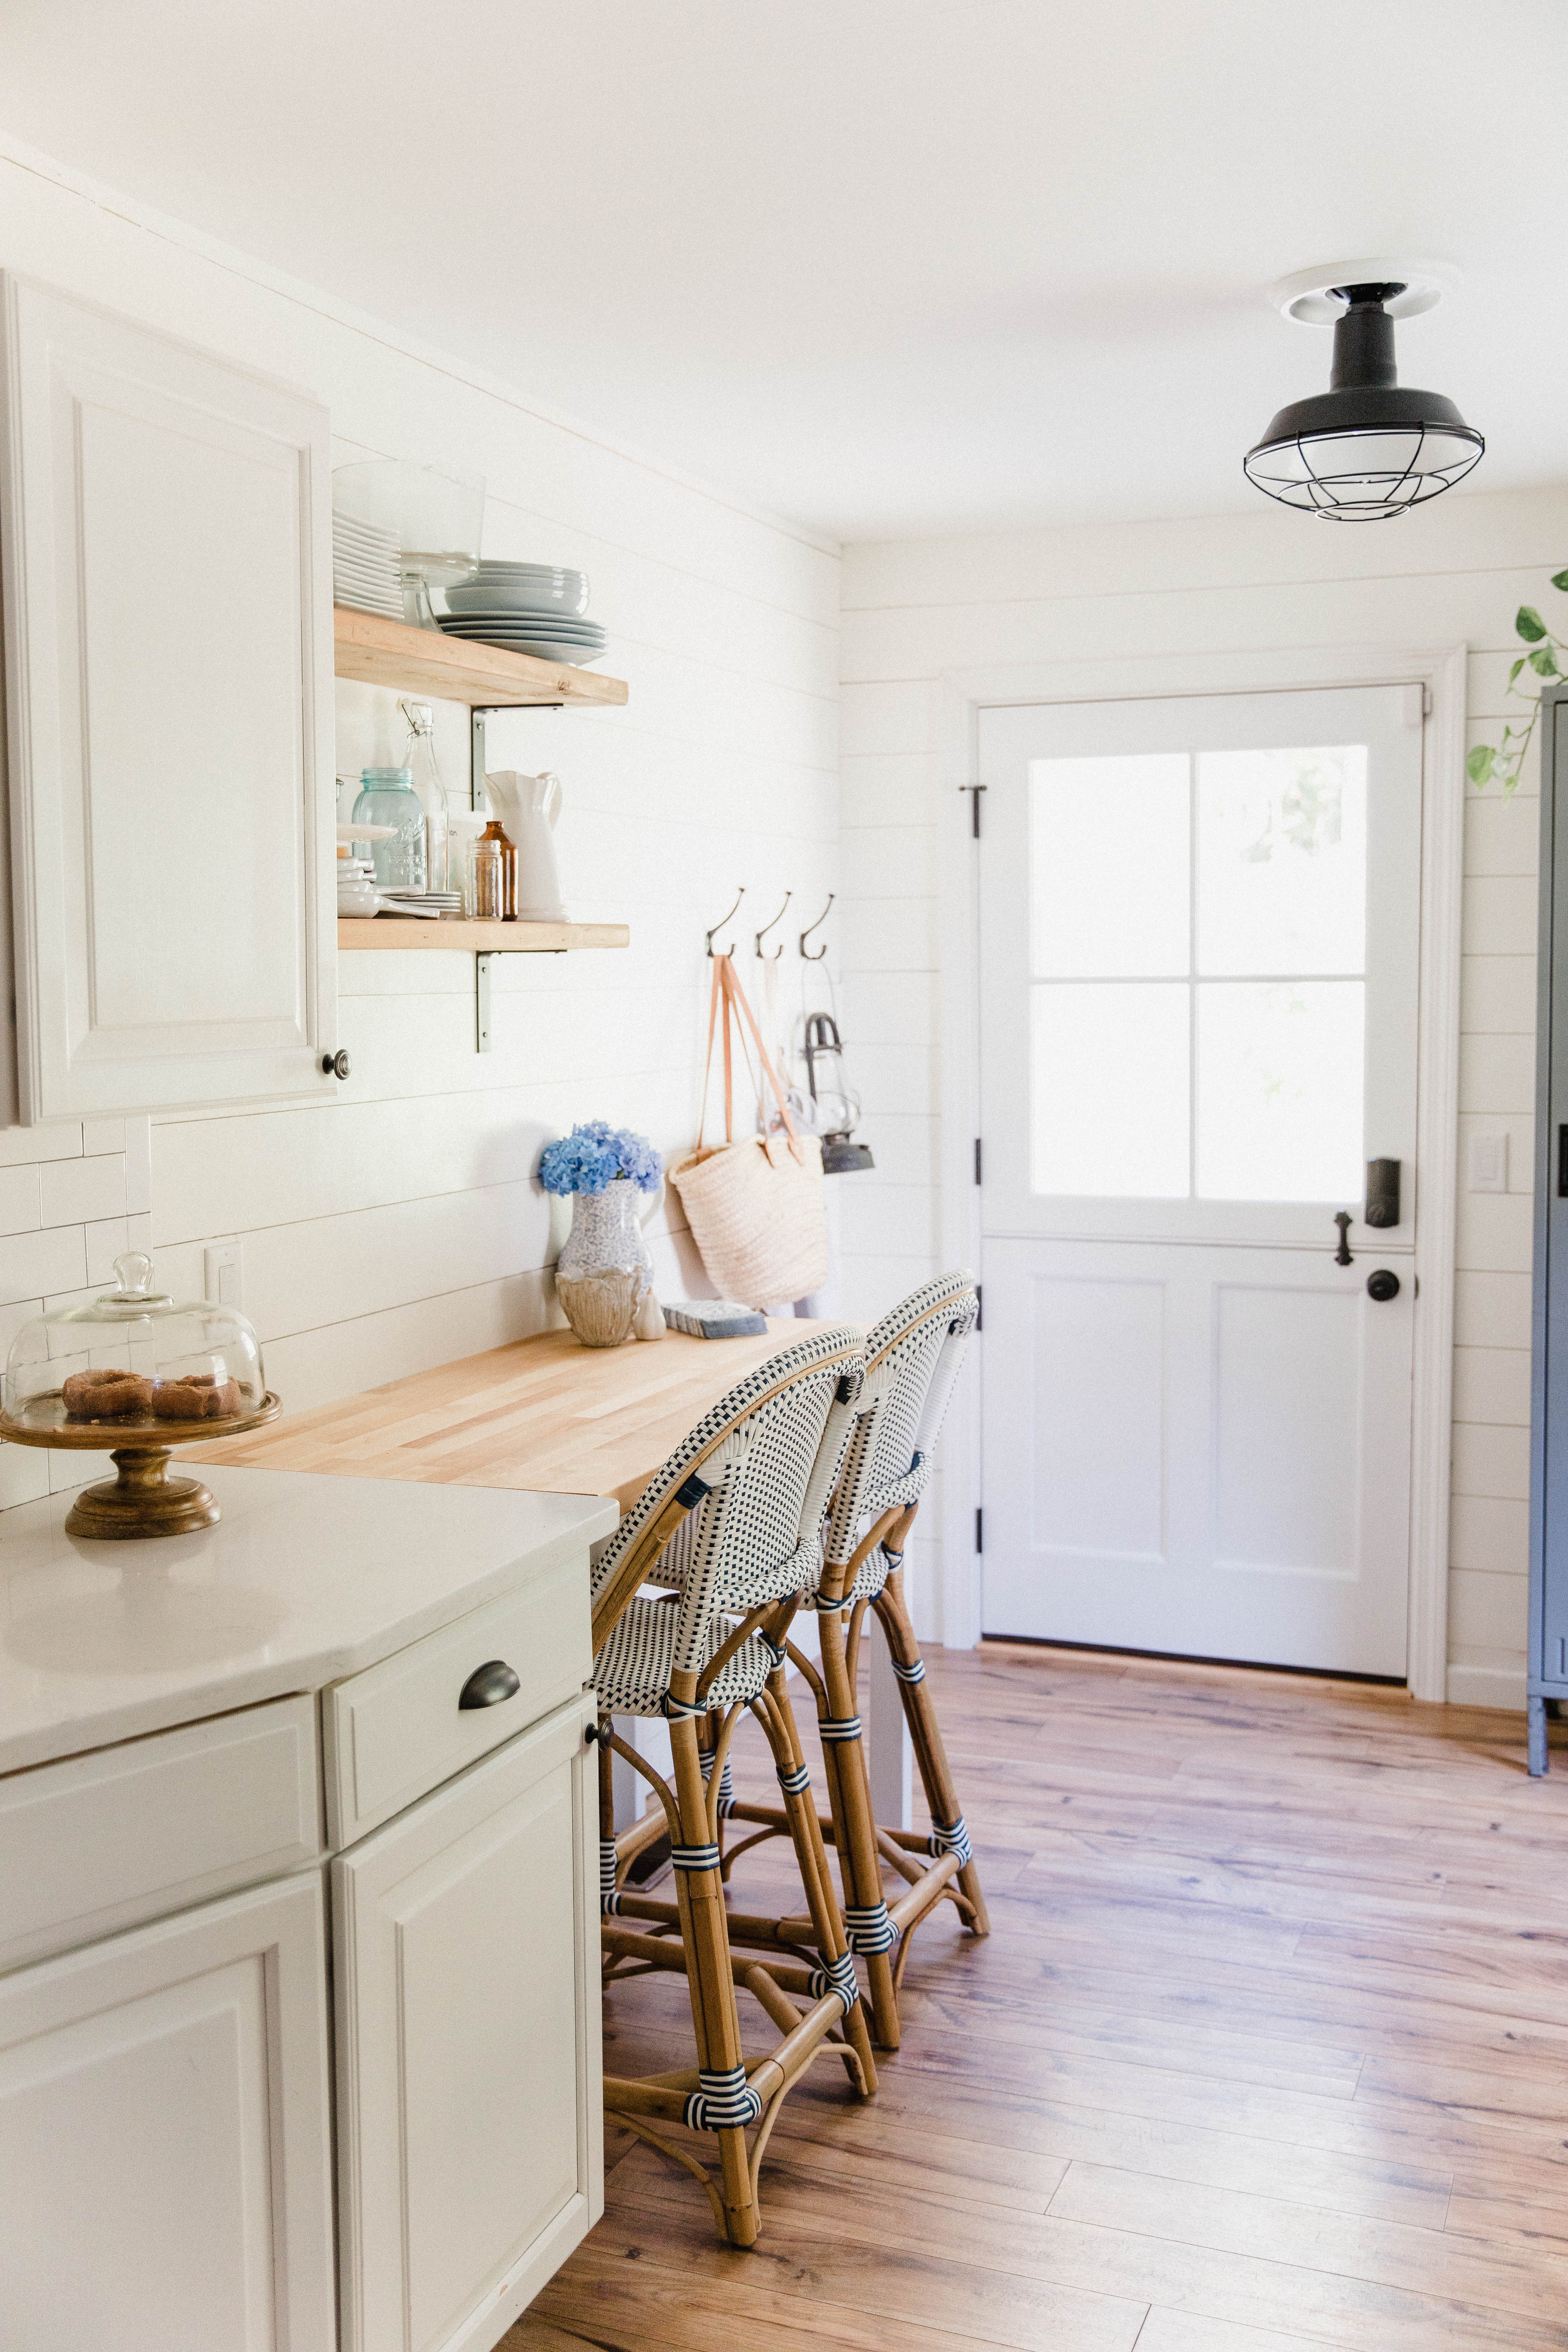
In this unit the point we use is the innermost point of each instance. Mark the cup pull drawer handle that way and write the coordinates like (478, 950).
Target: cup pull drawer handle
(490, 1684)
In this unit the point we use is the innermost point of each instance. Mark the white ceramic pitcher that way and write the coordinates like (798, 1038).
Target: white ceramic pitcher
(527, 807)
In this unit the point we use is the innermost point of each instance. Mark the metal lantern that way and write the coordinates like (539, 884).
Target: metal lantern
(1368, 448)
(835, 1108)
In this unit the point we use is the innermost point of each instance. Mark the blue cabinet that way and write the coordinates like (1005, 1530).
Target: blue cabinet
(1549, 1386)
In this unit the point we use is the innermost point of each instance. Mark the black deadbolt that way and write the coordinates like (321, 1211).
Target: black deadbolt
(490, 1684)
(1382, 1191)
(335, 1065)
(1382, 1286)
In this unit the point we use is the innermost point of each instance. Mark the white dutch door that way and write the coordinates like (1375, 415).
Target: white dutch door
(1199, 963)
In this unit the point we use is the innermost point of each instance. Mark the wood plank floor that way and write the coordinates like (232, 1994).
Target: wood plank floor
(1268, 2049)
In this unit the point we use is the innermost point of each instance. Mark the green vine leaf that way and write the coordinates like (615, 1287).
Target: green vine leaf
(1560, 580)
(1516, 666)
(1529, 625)
(1480, 763)
(1544, 663)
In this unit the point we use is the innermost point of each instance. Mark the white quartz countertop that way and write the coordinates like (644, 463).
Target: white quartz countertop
(304, 1578)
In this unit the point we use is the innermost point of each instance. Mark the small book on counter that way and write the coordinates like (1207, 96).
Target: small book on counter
(712, 1319)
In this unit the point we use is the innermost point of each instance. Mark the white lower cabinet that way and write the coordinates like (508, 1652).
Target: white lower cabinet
(165, 2177)
(467, 1986)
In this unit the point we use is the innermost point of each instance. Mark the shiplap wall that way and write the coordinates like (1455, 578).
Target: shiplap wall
(1454, 573)
(398, 1225)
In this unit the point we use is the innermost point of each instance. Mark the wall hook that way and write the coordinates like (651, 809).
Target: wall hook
(757, 943)
(721, 923)
(821, 951)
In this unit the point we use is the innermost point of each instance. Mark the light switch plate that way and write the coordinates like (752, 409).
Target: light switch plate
(1489, 1163)
(223, 1274)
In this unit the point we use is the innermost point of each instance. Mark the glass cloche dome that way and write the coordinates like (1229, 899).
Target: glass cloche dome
(135, 1356)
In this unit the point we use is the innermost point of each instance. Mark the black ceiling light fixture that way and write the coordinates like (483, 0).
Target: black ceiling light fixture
(1368, 448)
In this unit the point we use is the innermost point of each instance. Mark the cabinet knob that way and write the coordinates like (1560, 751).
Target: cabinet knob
(335, 1065)
(1382, 1286)
(490, 1684)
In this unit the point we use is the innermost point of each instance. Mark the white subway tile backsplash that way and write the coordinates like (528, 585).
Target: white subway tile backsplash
(60, 1139)
(33, 1264)
(101, 1135)
(76, 1190)
(20, 1210)
(107, 1239)
(139, 1144)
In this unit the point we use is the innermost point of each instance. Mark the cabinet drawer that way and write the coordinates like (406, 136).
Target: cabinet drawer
(150, 1826)
(398, 1729)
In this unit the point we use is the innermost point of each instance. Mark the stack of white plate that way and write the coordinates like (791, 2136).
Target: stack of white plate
(423, 902)
(529, 608)
(365, 567)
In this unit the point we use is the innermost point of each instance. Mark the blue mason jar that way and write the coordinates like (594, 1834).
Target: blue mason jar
(387, 797)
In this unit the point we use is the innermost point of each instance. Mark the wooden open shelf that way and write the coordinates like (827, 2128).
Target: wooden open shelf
(452, 669)
(489, 939)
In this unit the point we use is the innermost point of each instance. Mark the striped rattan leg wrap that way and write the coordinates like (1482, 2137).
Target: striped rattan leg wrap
(840, 1726)
(911, 1674)
(795, 1783)
(954, 1839)
(724, 2099)
(838, 1977)
(695, 1857)
(868, 1929)
(726, 1785)
(609, 1901)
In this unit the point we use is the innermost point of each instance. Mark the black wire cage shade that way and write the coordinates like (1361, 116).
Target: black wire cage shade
(1368, 448)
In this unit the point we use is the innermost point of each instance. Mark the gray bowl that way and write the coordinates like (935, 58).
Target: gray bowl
(521, 588)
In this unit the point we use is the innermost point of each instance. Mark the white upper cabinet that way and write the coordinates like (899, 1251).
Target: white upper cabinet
(167, 599)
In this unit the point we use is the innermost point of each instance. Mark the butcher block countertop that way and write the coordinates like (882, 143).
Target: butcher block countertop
(544, 1415)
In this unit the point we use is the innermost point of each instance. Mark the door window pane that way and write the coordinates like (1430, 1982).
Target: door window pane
(1279, 1091)
(1109, 866)
(1281, 860)
(1108, 1089)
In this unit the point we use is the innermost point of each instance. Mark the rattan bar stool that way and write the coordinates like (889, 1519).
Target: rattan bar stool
(913, 1356)
(746, 1493)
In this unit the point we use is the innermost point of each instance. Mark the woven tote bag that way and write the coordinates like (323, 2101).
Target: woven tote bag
(755, 1207)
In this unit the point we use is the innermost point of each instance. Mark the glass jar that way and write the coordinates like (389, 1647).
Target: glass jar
(495, 831)
(136, 1356)
(387, 797)
(488, 887)
(426, 777)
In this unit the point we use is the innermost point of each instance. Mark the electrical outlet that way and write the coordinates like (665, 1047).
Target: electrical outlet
(1489, 1163)
(223, 1274)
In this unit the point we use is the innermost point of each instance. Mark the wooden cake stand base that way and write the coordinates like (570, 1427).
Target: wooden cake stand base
(143, 1500)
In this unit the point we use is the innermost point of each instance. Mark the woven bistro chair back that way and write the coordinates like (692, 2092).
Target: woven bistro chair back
(735, 1514)
(913, 1358)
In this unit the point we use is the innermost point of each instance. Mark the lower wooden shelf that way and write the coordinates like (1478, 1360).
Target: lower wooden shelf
(489, 939)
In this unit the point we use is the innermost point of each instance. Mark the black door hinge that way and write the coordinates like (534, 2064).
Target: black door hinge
(974, 792)
(978, 1175)
(979, 1529)
(979, 1306)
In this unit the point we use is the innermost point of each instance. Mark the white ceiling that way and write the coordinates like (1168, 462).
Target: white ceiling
(883, 266)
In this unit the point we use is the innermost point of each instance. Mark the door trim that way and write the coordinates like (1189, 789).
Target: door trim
(1441, 670)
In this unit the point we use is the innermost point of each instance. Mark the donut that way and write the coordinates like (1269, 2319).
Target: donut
(201, 1396)
(105, 1396)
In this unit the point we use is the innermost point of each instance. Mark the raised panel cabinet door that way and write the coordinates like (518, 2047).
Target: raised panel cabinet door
(470, 2096)
(165, 2178)
(167, 596)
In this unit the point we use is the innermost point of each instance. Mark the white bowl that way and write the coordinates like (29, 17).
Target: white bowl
(521, 588)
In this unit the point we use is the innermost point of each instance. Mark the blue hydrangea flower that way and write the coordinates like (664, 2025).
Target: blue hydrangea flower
(594, 1155)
